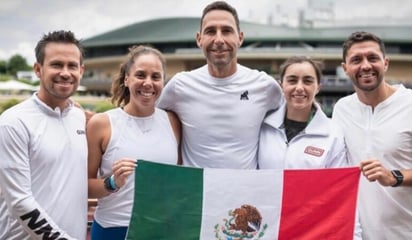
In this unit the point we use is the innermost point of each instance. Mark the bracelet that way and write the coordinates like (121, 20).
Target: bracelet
(110, 185)
(112, 182)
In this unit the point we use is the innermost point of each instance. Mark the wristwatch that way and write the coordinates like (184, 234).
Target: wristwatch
(108, 185)
(398, 176)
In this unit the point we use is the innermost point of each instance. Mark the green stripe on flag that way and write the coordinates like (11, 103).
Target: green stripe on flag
(161, 192)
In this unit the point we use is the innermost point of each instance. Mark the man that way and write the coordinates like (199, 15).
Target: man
(221, 105)
(378, 134)
(43, 167)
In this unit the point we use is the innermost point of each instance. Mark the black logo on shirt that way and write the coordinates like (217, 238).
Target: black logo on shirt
(244, 95)
(80, 132)
(41, 226)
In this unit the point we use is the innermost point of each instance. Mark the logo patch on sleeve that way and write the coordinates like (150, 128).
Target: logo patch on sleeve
(317, 152)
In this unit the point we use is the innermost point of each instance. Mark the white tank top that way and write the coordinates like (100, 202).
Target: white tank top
(149, 138)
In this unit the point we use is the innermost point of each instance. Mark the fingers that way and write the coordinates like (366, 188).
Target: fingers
(372, 175)
(369, 163)
(124, 164)
(373, 170)
(370, 169)
(122, 169)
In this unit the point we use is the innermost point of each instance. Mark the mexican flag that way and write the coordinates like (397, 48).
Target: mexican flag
(183, 203)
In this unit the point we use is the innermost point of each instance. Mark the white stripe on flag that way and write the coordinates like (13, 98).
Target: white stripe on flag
(225, 190)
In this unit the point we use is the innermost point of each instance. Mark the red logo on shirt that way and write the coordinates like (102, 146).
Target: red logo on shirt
(317, 152)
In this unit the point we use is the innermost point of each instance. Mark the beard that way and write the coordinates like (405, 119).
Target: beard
(368, 87)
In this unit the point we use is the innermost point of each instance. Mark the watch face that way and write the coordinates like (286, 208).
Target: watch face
(397, 174)
(107, 184)
(399, 177)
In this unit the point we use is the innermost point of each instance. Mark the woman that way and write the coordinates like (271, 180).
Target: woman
(136, 129)
(300, 135)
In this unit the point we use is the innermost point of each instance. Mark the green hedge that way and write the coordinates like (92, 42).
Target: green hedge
(8, 104)
(94, 107)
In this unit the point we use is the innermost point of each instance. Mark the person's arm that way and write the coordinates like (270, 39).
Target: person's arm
(373, 170)
(275, 93)
(168, 97)
(15, 182)
(407, 177)
(338, 152)
(87, 113)
(176, 125)
(98, 134)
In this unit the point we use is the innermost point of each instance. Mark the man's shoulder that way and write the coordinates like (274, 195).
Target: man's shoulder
(345, 100)
(18, 110)
(404, 92)
(194, 73)
(244, 69)
(254, 75)
(344, 105)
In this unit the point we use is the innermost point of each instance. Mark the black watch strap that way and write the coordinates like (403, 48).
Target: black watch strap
(398, 176)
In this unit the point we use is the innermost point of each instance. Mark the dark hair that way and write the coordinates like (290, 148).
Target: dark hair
(317, 65)
(57, 37)
(120, 93)
(361, 36)
(220, 5)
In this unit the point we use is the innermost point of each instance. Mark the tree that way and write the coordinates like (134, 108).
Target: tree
(18, 63)
(3, 67)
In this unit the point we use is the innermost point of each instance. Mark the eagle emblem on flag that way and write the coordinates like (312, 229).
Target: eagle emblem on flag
(244, 222)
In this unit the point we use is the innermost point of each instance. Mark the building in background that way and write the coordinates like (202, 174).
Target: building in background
(265, 47)
(27, 75)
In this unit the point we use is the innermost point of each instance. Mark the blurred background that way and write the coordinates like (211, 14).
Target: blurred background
(274, 30)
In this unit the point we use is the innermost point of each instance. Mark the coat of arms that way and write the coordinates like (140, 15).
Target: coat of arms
(244, 223)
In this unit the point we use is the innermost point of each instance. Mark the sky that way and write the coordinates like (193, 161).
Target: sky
(23, 22)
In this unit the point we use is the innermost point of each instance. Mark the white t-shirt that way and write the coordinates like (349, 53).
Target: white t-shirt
(384, 133)
(221, 117)
(43, 172)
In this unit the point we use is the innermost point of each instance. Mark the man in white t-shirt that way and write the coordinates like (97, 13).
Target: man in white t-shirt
(378, 135)
(222, 104)
(43, 167)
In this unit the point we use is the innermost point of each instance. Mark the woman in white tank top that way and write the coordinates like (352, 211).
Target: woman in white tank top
(136, 129)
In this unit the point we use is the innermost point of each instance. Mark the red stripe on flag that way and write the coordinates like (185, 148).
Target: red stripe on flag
(319, 204)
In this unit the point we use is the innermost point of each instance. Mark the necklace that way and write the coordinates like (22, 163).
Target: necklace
(145, 124)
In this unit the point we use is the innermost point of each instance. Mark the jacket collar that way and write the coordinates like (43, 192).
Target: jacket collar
(319, 125)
